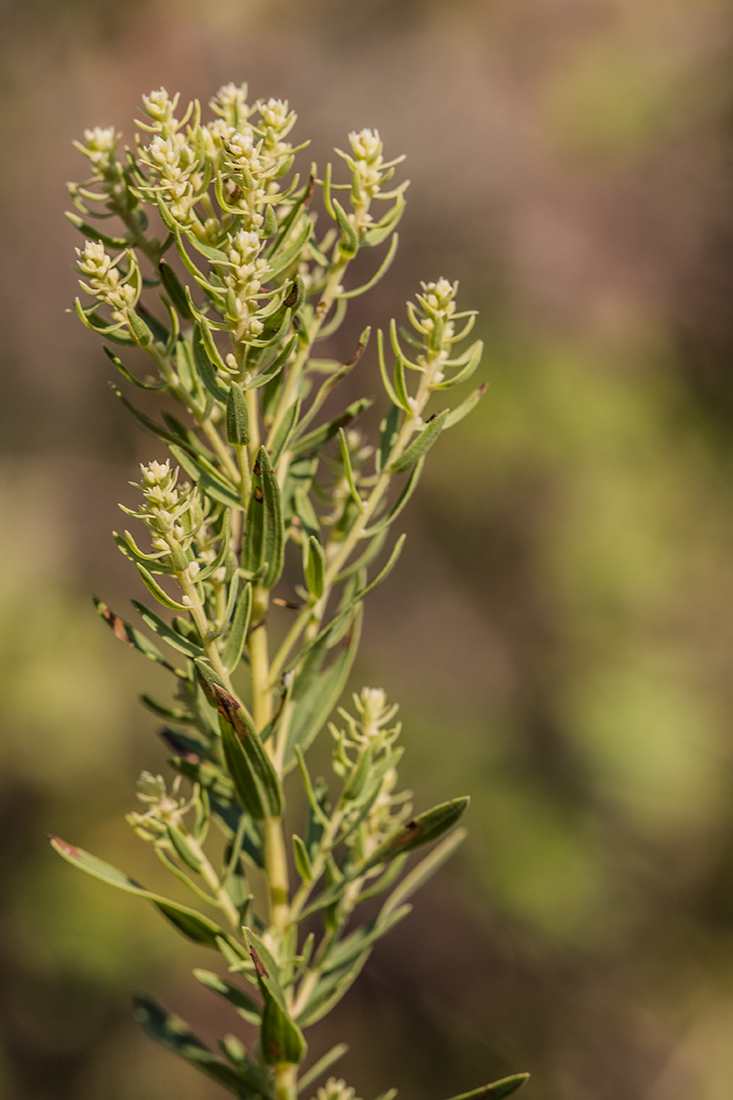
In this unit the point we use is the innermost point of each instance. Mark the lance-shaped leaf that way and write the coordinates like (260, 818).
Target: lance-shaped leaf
(315, 695)
(331, 989)
(349, 242)
(281, 1040)
(212, 483)
(315, 567)
(167, 633)
(285, 431)
(422, 444)
(205, 365)
(496, 1091)
(94, 234)
(130, 636)
(290, 253)
(320, 1067)
(174, 290)
(473, 358)
(253, 544)
(129, 375)
(159, 593)
(232, 651)
(127, 546)
(249, 764)
(274, 367)
(352, 946)
(320, 436)
(274, 536)
(383, 268)
(388, 435)
(425, 869)
(421, 830)
(248, 1009)
(194, 926)
(237, 417)
(407, 490)
(466, 406)
(174, 1034)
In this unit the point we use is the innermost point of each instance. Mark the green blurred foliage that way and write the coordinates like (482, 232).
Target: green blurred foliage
(559, 630)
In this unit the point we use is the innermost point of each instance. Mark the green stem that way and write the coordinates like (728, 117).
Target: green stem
(286, 1078)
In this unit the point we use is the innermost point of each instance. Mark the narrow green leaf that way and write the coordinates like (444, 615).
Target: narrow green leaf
(302, 862)
(237, 417)
(171, 1032)
(224, 551)
(315, 567)
(407, 490)
(182, 848)
(383, 228)
(254, 534)
(349, 243)
(319, 694)
(466, 406)
(213, 484)
(243, 776)
(388, 435)
(167, 633)
(353, 945)
(129, 375)
(282, 260)
(274, 368)
(141, 332)
(174, 290)
(332, 988)
(284, 433)
(94, 234)
(383, 371)
(400, 385)
(191, 924)
(422, 444)
(473, 359)
(130, 636)
(320, 1067)
(274, 539)
(248, 1009)
(232, 651)
(204, 365)
(316, 439)
(424, 870)
(382, 270)
(281, 1040)
(421, 830)
(346, 459)
(157, 591)
(259, 764)
(496, 1091)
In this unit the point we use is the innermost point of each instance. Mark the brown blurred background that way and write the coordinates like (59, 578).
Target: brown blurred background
(559, 630)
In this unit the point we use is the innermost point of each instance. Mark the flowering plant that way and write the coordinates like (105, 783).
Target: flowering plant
(276, 498)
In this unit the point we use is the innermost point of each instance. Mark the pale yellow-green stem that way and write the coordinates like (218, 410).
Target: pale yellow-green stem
(286, 1078)
(198, 614)
(276, 862)
(276, 869)
(259, 659)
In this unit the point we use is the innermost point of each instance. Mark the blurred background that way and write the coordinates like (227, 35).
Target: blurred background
(559, 631)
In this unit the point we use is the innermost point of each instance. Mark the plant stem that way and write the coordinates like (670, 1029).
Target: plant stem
(286, 1077)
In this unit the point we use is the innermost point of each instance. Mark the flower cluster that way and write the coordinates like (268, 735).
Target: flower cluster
(335, 1089)
(171, 157)
(370, 171)
(244, 279)
(119, 292)
(99, 146)
(163, 808)
(171, 512)
(371, 735)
